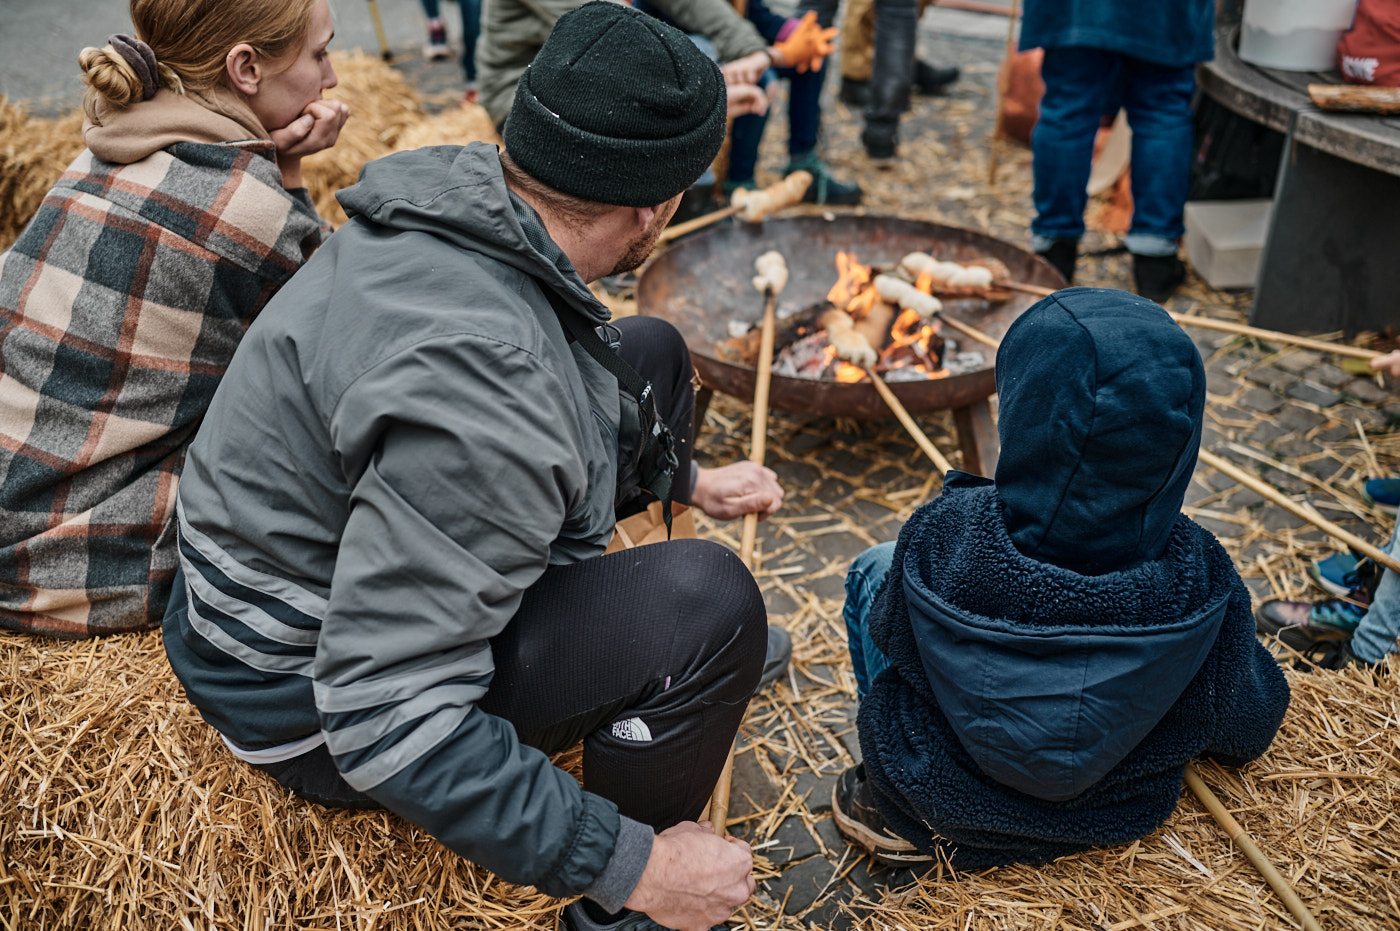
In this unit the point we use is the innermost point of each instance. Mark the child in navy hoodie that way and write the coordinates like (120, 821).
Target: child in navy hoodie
(1039, 657)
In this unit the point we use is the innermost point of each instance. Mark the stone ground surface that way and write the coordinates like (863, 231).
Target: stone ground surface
(851, 484)
(1320, 431)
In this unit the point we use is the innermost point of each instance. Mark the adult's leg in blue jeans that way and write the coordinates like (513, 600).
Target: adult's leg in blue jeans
(1077, 84)
(1158, 101)
(1376, 635)
(471, 31)
(864, 579)
(431, 9)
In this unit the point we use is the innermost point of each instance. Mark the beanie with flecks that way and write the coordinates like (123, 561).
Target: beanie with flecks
(618, 108)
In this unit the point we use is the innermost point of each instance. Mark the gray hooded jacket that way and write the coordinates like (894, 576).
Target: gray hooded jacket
(404, 441)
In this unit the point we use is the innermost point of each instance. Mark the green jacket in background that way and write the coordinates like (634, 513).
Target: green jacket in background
(513, 31)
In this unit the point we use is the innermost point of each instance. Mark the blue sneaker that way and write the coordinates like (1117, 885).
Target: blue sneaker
(1342, 573)
(1384, 493)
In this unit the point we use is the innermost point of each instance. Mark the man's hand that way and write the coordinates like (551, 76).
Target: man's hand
(806, 47)
(743, 99)
(1388, 363)
(735, 490)
(746, 70)
(317, 128)
(693, 879)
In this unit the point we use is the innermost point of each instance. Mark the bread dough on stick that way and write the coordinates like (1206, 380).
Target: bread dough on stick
(849, 343)
(898, 291)
(772, 273)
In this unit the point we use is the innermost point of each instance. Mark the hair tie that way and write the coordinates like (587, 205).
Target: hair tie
(142, 60)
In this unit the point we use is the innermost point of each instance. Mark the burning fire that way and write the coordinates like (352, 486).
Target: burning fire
(909, 335)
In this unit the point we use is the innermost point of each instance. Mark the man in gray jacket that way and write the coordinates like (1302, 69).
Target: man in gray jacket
(513, 31)
(392, 522)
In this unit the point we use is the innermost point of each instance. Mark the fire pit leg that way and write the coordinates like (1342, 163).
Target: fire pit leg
(977, 436)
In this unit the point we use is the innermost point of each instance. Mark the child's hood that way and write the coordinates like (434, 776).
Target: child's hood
(1099, 411)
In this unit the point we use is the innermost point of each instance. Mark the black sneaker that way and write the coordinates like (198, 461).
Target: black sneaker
(777, 657)
(575, 917)
(824, 189)
(1062, 254)
(854, 94)
(861, 823)
(880, 140)
(931, 80)
(1158, 276)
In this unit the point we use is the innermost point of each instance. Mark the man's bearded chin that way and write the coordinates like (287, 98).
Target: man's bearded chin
(645, 243)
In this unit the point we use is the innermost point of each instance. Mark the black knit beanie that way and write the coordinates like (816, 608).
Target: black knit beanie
(618, 108)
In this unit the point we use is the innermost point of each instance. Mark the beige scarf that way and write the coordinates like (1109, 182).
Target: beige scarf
(122, 135)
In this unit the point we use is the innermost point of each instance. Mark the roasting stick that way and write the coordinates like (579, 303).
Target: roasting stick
(753, 205)
(1239, 329)
(771, 279)
(1225, 467)
(918, 435)
(1251, 850)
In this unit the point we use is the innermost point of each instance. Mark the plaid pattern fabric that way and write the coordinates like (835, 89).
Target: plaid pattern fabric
(120, 307)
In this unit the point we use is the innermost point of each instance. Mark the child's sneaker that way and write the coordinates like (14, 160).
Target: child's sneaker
(861, 823)
(1384, 493)
(436, 47)
(1303, 625)
(1342, 573)
(824, 189)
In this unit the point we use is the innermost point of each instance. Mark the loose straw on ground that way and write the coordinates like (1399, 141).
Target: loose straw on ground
(1263, 489)
(771, 279)
(1251, 850)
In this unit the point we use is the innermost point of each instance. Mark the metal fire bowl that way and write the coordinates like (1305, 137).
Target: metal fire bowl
(702, 282)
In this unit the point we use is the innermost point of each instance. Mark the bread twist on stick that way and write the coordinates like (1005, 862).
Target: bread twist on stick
(758, 204)
(898, 291)
(946, 274)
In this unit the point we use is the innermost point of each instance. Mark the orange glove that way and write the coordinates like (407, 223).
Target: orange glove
(808, 45)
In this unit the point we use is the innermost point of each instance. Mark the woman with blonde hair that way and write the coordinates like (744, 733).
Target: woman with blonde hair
(125, 297)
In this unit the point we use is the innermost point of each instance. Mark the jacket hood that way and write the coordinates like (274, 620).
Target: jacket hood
(1050, 678)
(123, 135)
(1100, 402)
(459, 194)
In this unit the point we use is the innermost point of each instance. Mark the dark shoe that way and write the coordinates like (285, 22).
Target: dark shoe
(776, 658)
(575, 917)
(1303, 625)
(824, 188)
(1158, 276)
(1332, 655)
(931, 80)
(880, 140)
(854, 94)
(861, 823)
(1062, 254)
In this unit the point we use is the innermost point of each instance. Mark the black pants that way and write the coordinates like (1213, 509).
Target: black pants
(649, 656)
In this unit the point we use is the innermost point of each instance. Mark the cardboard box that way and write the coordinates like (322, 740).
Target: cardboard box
(1224, 239)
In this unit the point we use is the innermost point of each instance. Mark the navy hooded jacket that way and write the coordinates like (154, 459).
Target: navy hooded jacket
(1063, 641)
(1175, 33)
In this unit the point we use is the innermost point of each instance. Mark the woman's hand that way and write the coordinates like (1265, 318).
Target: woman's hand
(746, 70)
(316, 129)
(744, 99)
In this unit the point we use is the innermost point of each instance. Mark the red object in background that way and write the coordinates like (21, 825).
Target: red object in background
(1020, 106)
(1369, 52)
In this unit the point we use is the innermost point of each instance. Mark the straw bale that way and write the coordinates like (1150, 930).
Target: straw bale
(33, 153)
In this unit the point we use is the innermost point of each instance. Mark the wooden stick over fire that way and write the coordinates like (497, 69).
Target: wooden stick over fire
(751, 206)
(771, 279)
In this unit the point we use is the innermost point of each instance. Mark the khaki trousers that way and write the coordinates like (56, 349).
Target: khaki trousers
(858, 37)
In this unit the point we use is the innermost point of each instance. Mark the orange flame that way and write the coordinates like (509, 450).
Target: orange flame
(924, 282)
(848, 373)
(852, 278)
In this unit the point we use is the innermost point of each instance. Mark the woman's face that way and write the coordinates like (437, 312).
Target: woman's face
(295, 80)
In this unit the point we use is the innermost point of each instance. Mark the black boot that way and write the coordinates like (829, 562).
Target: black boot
(1158, 276)
(896, 23)
(931, 80)
(1062, 254)
(854, 93)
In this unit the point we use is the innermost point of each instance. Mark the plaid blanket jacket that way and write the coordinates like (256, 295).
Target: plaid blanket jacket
(121, 305)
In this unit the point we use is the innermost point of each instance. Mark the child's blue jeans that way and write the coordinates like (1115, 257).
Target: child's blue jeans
(863, 580)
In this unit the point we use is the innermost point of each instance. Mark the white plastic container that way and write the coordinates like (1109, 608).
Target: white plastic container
(1225, 239)
(1294, 35)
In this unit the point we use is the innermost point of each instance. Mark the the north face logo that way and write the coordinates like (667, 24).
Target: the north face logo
(633, 729)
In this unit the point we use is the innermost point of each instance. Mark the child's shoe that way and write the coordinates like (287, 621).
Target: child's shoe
(1384, 493)
(436, 47)
(1342, 573)
(824, 188)
(861, 823)
(1303, 625)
